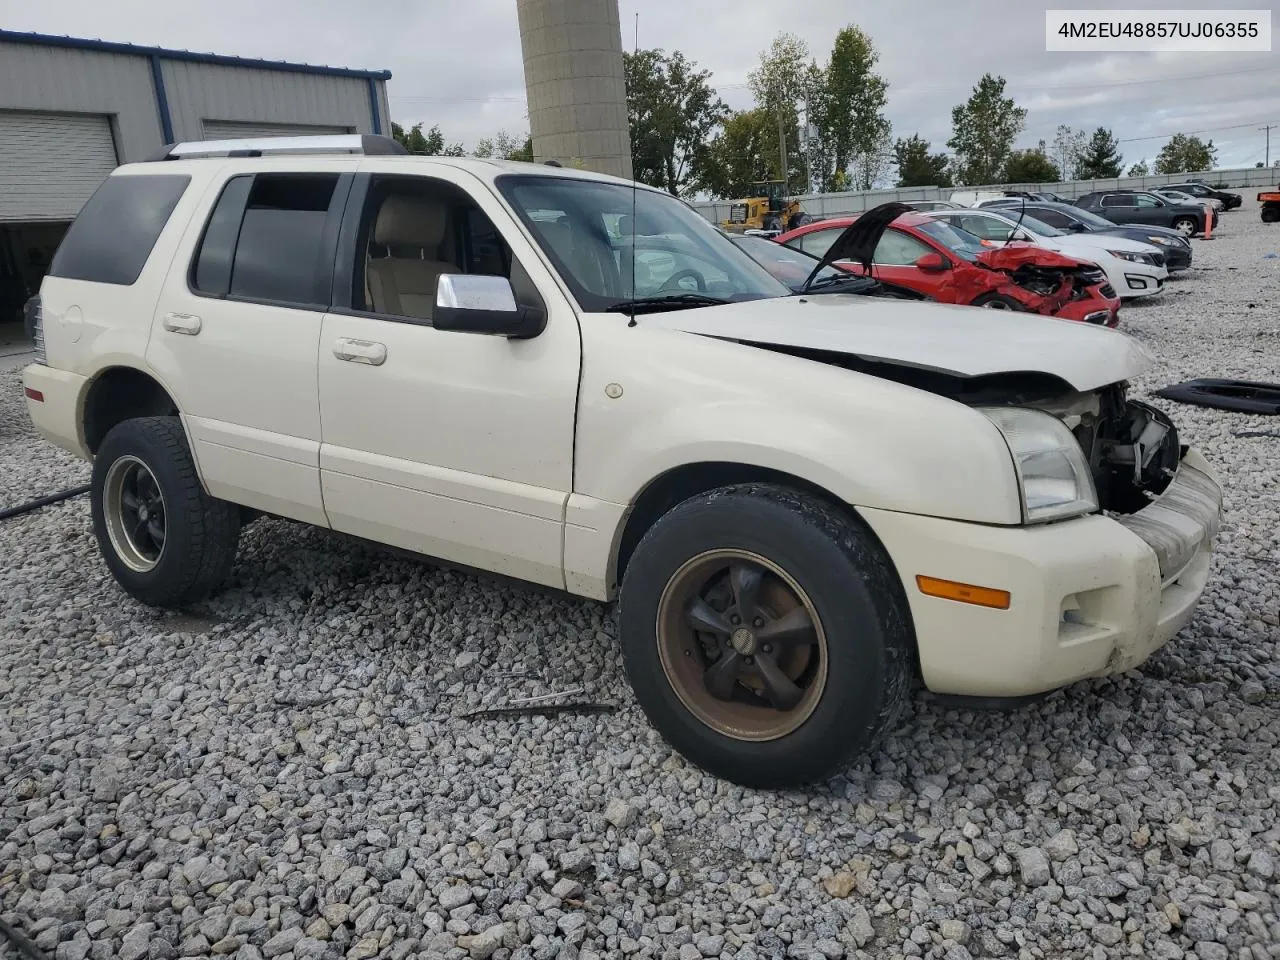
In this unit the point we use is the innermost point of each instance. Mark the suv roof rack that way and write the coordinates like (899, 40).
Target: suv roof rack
(366, 144)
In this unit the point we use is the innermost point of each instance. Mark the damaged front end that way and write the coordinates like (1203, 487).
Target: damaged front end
(1051, 283)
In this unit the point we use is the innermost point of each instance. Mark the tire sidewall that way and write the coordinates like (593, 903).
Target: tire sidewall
(129, 439)
(857, 693)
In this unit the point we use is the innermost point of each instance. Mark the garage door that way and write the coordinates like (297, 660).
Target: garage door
(51, 162)
(235, 129)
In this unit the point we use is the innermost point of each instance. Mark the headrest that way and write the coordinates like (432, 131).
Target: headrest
(413, 221)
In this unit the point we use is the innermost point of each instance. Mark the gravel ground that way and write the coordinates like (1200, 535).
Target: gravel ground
(284, 772)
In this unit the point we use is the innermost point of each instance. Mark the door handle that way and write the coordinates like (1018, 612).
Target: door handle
(360, 351)
(182, 323)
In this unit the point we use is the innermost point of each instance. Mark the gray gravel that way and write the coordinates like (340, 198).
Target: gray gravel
(282, 771)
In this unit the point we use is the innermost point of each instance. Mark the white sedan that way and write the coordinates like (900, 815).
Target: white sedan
(1133, 268)
(1178, 196)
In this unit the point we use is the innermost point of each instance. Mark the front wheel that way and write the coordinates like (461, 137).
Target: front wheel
(1271, 213)
(166, 541)
(998, 301)
(765, 634)
(1186, 226)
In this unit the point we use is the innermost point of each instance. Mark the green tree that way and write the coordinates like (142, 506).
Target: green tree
(917, 167)
(504, 146)
(1139, 169)
(1068, 148)
(1186, 154)
(672, 110)
(848, 100)
(1030, 166)
(429, 144)
(780, 84)
(745, 151)
(1101, 158)
(983, 131)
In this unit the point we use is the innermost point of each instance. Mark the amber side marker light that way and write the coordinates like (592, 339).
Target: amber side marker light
(964, 592)
(33, 394)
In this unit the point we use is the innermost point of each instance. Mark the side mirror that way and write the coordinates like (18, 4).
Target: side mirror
(1077, 227)
(471, 303)
(932, 263)
(1020, 235)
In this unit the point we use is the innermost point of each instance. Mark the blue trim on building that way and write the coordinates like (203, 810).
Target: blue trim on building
(373, 107)
(105, 46)
(162, 101)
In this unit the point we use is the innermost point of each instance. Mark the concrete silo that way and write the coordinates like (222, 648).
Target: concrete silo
(574, 81)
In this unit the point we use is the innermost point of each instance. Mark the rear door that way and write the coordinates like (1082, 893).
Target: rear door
(1120, 207)
(237, 329)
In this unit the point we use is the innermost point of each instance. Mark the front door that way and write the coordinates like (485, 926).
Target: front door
(237, 327)
(454, 445)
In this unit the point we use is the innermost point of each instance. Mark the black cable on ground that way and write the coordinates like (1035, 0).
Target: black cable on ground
(26, 949)
(43, 502)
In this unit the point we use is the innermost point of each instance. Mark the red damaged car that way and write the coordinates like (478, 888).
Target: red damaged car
(951, 265)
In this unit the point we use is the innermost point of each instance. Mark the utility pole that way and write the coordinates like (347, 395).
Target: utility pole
(782, 149)
(1267, 128)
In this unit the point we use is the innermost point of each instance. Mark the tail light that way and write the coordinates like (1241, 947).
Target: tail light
(34, 320)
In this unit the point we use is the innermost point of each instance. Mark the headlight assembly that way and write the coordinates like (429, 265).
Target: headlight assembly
(1159, 241)
(1128, 255)
(1052, 471)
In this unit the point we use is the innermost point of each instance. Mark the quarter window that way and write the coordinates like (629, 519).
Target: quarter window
(113, 236)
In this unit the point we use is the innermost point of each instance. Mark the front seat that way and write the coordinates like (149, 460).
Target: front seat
(412, 231)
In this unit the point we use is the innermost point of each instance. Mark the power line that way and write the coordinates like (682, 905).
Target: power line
(1161, 136)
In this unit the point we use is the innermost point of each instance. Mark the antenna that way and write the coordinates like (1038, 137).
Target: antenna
(632, 322)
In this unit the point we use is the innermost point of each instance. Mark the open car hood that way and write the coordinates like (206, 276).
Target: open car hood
(964, 342)
(1014, 255)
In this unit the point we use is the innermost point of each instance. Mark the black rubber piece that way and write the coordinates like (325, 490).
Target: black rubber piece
(1241, 396)
(201, 532)
(39, 502)
(957, 701)
(26, 949)
(859, 600)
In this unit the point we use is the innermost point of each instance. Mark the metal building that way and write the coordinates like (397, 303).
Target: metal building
(72, 109)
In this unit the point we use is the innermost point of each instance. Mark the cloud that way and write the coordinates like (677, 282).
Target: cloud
(458, 64)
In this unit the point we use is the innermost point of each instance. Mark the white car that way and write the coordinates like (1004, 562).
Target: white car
(802, 504)
(971, 198)
(1177, 196)
(1133, 269)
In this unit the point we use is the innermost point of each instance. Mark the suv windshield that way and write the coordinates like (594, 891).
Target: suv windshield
(594, 232)
(960, 242)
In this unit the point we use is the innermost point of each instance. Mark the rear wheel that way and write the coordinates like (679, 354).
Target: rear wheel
(166, 541)
(765, 634)
(998, 301)
(1186, 226)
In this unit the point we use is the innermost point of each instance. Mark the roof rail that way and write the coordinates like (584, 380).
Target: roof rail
(366, 144)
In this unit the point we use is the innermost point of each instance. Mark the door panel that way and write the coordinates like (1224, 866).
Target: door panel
(244, 372)
(456, 445)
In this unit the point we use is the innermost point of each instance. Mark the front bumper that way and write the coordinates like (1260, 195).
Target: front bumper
(1138, 283)
(1090, 597)
(56, 415)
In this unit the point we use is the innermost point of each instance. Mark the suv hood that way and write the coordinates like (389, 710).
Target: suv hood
(964, 342)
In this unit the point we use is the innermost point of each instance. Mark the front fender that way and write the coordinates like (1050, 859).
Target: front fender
(870, 442)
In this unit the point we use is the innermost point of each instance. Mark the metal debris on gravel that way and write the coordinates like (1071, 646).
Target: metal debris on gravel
(282, 772)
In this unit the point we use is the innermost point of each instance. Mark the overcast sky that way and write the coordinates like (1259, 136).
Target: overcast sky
(458, 63)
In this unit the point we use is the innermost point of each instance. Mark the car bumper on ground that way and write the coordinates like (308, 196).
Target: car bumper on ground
(1087, 597)
(53, 402)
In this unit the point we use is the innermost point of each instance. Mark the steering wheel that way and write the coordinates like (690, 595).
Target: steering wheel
(679, 275)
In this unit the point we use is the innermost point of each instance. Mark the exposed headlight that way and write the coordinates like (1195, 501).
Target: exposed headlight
(1129, 255)
(1052, 471)
(1160, 241)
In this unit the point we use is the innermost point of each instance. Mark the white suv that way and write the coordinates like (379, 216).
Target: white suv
(804, 504)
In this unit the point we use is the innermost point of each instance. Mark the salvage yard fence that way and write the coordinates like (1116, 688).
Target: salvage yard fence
(856, 201)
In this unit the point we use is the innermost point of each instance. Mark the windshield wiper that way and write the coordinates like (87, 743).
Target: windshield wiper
(666, 301)
(841, 284)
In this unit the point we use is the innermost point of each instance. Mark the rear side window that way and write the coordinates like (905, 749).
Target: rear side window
(267, 240)
(111, 239)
